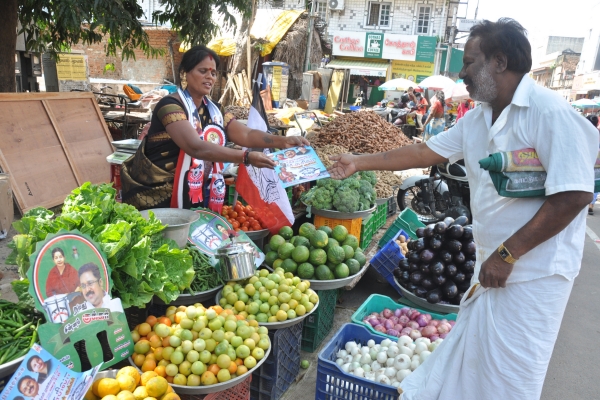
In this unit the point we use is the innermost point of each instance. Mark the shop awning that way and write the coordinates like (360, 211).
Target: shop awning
(359, 67)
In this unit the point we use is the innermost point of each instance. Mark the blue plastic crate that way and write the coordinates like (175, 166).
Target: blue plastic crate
(335, 384)
(387, 259)
(274, 377)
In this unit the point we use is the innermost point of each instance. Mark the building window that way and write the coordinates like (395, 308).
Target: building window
(379, 14)
(321, 8)
(423, 19)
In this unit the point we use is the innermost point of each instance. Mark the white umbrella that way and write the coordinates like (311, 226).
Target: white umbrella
(458, 92)
(397, 84)
(436, 82)
(584, 103)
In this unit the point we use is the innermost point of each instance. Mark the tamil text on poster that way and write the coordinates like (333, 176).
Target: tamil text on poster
(298, 165)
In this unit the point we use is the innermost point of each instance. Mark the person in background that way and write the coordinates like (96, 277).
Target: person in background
(377, 82)
(62, 278)
(422, 105)
(462, 109)
(594, 120)
(364, 85)
(529, 250)
(435, 122)
(411, 94)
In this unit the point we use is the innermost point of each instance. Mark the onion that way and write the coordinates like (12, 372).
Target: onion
(386, 343)
(373, 321)
(375, 366)
(424, 355)
(421, 347)
(393, 332)
(443, 328)
(433, 338)
(428, 316)
(374, 314)
(443, 321)
(398, 327)
(415, 334)
(359, 372)
(412, 324)
(414, 314)
(405, 311)
(380, 328)
(403, 341)
(387, 313)
(429, 330)
(403, 319)
(402, 362)
(365, 359)
(452, 323)
(443, 336)
(371, 343)
(388, 324)
(397, 312)
(433, 322)
(394, 319)
(403, 373)
(406, 331)
(406, 350)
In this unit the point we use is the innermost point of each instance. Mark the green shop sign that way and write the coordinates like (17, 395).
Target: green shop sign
(373, 45)
(426, 48)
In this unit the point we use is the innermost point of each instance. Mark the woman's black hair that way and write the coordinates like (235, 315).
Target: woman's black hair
(506, 36)
(593, 119)
(441, 97)
(59, 250)
(196, 55)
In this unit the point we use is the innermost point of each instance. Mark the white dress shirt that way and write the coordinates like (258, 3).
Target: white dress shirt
(567, 145)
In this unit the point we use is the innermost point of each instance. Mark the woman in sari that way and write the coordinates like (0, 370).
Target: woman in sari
(435, 122)
(185, 144)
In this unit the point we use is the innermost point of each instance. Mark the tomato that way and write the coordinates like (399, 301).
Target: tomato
(224, 212)
(235, 224)
(233, 214)
(250, 213)
(256, 226)
(241, 220)
(241, 213)
(239, 203)
(244, 229)
(237, 208)
(249, 208)
(246, 224)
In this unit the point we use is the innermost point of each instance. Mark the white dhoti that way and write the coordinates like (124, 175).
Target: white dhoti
(500, 347)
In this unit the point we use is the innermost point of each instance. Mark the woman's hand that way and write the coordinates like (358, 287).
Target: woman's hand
(295, 141)
(259, 159)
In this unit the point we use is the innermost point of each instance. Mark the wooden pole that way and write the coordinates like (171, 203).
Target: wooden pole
(248, 48)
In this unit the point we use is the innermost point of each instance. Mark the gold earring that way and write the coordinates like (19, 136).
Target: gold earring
(183, 79)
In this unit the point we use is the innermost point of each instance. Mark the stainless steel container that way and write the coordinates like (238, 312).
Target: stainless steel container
(237, 260)
(178, 221)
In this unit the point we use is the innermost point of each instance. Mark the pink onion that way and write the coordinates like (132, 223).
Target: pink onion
(387, 313)
(443, 321)
(403, 319)
(429, 330)
(397, 312)
(388, 324)
(443, 328)
(394, 319)
(414, 315)
(406, 331)
(428, 317)
(443, 335)
(398, 327)
(422, 320)
(433, 338)
(415, 334)
(452, 323)
(405, 311)
(412, 324)
(373, 321)
(393, 332)
(380, 328)
(374, 314)
(433, 322)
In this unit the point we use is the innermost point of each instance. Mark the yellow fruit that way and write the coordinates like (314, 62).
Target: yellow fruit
(125, 395)
(90, 395)
(150, 398)
(108, 386)
(140, 393)
(146, 376)
(170, 396)
(126, 382)
(95, 388)
(131, 371)
(110, 397)
(157, 386)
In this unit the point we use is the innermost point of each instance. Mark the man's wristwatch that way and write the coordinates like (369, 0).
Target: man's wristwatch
(505, 254)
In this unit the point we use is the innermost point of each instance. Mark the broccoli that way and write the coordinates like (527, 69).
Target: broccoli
(307, 197)
(346, 200)
(365, 191)
(351, 183)
(322, 199)
(330, 184)
(368, 176)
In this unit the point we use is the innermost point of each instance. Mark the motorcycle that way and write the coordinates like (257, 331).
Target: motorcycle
(444, 193)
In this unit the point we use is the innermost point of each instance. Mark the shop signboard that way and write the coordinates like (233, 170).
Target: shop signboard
(349, 44)
(414, 71)
(400, 47)
(374, 45)
(426, 49)
(71, 67)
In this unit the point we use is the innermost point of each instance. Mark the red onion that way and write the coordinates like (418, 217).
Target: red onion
(415, 334)
(373, 321)
(380, 328)
(421, 320)
(403, 319)
(433, 338)
(398, 327)
(387, 313)
(374, 314)
(429, 330)
(397, 312)
(443, 335)
(405, 311)
(412, 324)
(452, 323)
(381, 320)
(443, 328)
(443, 321)
(393, 332)
(388, 324)
(406, 331)
(394, 319)
(428, 317)
(414, 314)
(433, 322)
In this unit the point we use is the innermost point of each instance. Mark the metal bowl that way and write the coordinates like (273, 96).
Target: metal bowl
(280, 325)
(382, 201)
(335, 283)
(342, 215)
(189, 299)
(255, 235)
(10, 367)
(424, 304)
(218, 387)
(178, 221)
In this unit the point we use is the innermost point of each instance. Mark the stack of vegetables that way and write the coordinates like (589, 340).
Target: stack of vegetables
(355, 193)
(143, 263)
(316, 253)
(407, 321)
(19, 323)
(440, 264)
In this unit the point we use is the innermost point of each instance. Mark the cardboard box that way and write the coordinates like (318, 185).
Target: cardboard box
(6, 203)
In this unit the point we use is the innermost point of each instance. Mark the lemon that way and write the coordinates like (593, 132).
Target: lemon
(126, 382)
(108, 386)
(90, 395)
(146, 376)
(140, 393)
(157, 386)
(131, 371)
(125, 395)
(110, 397)
(170, 396)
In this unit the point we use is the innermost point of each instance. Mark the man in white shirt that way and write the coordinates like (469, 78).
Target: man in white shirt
(529, 250)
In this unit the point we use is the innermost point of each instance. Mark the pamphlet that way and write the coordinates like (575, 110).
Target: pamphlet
(42, 376)
(298, 165)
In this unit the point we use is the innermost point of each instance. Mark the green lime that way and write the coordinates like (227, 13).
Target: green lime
(277, 263)
(341, 271)
(317, 257)
(325, 229)
(360, 257)
(286, 232)
(304, 364)
(276, 241)
(285, 250)
(319, 239)
(300, 254)
(306, 229)
(336, 255)
(351, 241)
(339, 233)
(306, 271)
(322, 272)
(353, 266)
(331, 243)
(358, 249)
(270, 258)
(289, 265)
(349, 251)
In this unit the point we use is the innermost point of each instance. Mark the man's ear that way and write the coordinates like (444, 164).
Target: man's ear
(500, 62)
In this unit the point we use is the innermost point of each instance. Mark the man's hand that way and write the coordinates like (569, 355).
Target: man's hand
(258, 159)
(494, 271)
(295, 141)
(344, 166)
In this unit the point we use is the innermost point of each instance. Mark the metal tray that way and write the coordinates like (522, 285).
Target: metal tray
(10, 367)
(280, 325)
(217, 387)
(189, 299)
(341, 215)
(424, 304)
(258, 234)
(335, 283)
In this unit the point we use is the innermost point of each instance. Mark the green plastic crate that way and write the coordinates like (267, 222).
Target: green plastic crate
(377, 302)
(318, 325)
(366, 231)
(380, 215)
(407, 221)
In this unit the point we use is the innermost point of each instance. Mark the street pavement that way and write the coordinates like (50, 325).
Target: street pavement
(573, 372)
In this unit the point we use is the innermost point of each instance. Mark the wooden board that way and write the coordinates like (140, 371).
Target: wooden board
(51, 143)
